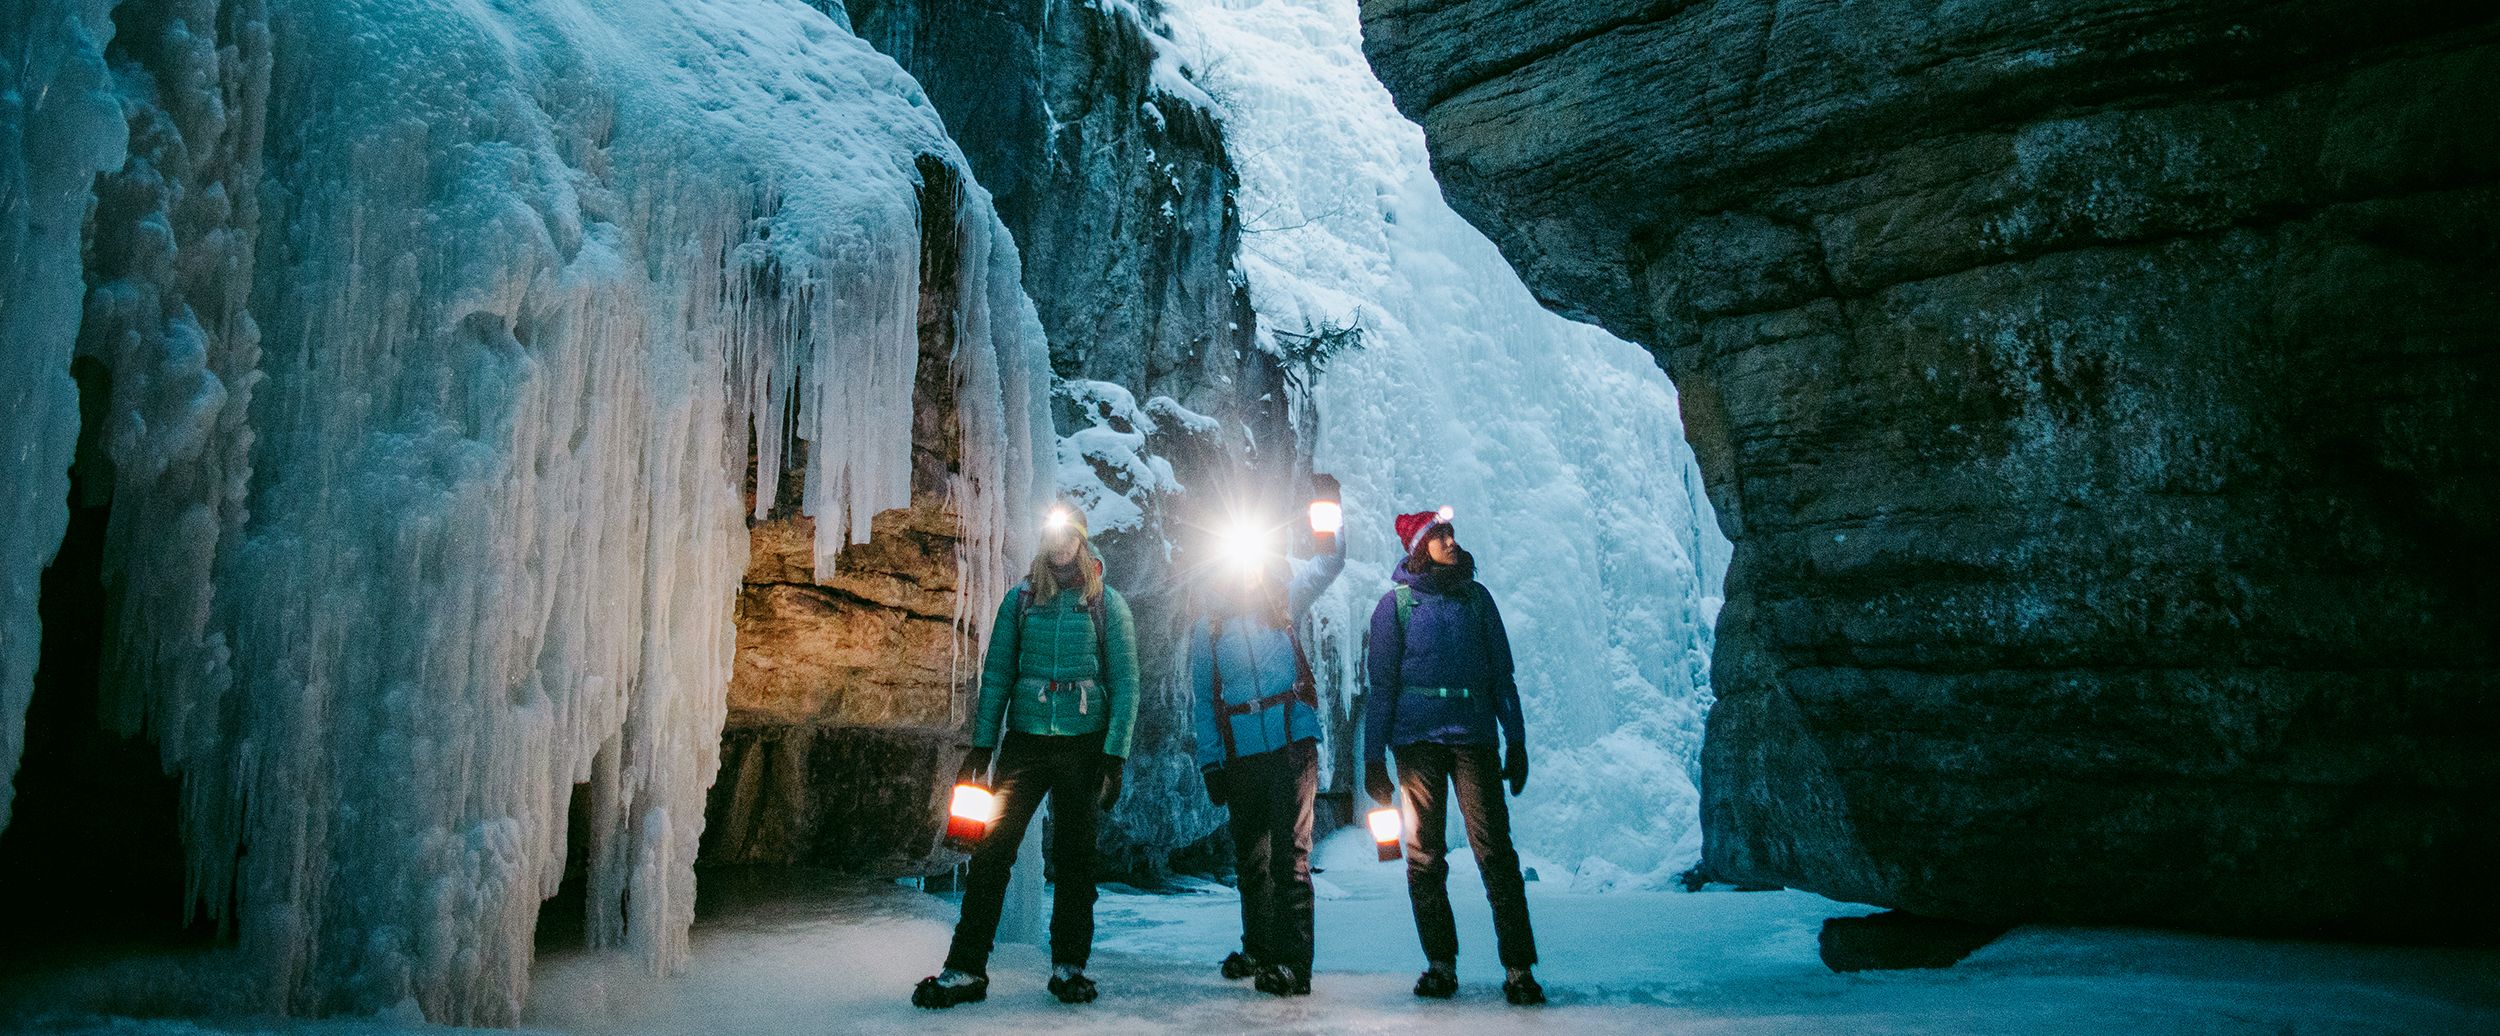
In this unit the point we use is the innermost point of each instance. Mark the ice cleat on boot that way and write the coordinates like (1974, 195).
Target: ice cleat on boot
(948, 988)
(1239, 965)
(1069, 984)
(1440, 981)
(1283, 980)
(1520, 988)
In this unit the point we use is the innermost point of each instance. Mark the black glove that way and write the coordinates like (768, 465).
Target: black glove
(1111, 768)
(976, 768)
(1376, 782)
(1515, 768)
(1214, 776)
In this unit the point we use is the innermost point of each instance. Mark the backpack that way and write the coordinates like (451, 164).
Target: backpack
(1305, 686)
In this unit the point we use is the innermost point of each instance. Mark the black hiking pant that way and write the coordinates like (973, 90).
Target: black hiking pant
(1067, 770)
(1270, 796)
(1426, 775)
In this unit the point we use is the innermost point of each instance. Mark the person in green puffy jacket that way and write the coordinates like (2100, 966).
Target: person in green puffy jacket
(1061, 677)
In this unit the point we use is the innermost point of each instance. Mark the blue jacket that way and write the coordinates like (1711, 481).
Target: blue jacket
(1449, 641)
(1257, 661)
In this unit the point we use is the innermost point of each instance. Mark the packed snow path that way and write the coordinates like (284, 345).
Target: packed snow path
(791, 952)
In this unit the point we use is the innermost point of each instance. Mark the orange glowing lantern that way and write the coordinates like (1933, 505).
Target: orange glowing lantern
(970, 816)
(1385, 825)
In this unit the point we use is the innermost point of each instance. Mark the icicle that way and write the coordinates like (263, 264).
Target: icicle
(428, 472)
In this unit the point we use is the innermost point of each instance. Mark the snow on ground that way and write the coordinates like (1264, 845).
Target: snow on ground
(795, 952)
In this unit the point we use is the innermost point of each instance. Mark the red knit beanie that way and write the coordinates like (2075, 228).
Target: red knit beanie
(1412, 527)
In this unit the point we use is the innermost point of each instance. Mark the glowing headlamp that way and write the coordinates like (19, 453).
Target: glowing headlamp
(1448, 514)
(1386, 827)
(1247, 547)
(1056, 520)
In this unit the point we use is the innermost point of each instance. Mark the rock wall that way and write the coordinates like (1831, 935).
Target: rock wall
(2098, 396)
(1110, 171)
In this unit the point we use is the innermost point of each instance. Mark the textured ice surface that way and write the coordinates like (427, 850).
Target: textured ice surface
(437, 332)
(797, 953)
(1559, 445)
(59, 127)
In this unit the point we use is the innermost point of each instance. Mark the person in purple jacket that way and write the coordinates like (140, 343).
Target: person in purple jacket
(1441, 692)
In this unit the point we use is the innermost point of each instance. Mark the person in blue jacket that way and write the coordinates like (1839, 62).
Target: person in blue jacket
(1442, 697)
(1257, 713)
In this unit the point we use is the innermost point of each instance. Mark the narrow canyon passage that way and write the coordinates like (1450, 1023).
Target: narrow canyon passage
(506, 504)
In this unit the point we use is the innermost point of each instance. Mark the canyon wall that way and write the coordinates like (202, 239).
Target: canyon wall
(2098, 395)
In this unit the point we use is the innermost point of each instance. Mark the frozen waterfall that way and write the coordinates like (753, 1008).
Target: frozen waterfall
(436, 335)
(1559, 445)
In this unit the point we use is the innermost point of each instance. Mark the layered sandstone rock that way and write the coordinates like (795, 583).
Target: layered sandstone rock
(2098, 394)
(1113, 178)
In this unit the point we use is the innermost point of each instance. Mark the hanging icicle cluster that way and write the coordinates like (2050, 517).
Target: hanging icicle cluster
(439, 336)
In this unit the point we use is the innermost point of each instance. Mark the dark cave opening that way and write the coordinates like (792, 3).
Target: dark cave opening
(92, 857)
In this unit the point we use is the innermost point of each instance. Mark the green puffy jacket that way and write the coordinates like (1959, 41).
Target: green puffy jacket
(1054, 641)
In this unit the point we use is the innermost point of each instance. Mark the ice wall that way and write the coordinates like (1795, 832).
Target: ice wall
(1559, 446)
(436, 334)
(58, 128)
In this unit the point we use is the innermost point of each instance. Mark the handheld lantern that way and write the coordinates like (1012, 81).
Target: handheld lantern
(1384, 824)
(969, 818)
(1327, 514)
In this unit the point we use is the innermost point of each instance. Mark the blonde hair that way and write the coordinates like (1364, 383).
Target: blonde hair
(1042, 584)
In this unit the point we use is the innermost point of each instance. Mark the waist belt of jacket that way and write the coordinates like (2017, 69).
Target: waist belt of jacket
(1305, 688)
(1051, 687)
(1441, 692)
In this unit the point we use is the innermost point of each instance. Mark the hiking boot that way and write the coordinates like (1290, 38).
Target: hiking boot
(1284, 980)
(951, 987)
(1520, 988)
(1240, 965)
(1069, 984)
(1440, 981)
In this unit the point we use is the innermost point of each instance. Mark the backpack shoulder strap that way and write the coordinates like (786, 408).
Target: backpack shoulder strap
(1406, 605)
(1215, 670)
(1097, 610)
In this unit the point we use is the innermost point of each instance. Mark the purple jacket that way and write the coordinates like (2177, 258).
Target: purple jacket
(1449, 641)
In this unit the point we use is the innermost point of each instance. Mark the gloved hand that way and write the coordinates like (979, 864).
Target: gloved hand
(1515, 768)
(1214, 776)
(1112, 766)
(976, 768)
(1376, 782)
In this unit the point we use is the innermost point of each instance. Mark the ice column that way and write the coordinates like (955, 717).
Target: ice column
(440, 336)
